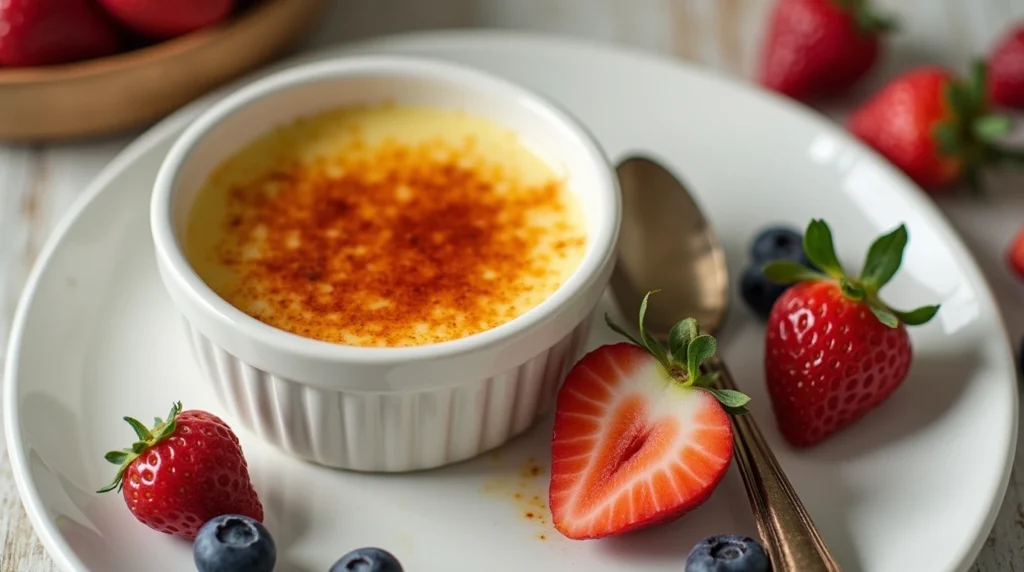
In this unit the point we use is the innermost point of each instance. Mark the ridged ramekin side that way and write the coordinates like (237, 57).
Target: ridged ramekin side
(388, 432)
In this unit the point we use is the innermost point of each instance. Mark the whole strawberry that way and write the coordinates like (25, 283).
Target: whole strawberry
(1006, 70)
(162, 19)
(1015, 254)
(834, 350)
(641, 434)
(935, 127)
(186, 470)
(816, 48)
(44, 32)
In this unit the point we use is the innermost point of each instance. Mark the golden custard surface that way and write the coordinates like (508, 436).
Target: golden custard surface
(385, 226)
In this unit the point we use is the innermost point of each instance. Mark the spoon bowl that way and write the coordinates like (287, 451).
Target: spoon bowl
(666, 242)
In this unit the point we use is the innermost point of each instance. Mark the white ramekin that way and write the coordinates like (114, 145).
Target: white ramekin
(385, 409)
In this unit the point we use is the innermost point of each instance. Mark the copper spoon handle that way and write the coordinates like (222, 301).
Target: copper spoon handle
(791, 540)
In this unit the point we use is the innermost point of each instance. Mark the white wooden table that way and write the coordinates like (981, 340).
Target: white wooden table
(37, 183)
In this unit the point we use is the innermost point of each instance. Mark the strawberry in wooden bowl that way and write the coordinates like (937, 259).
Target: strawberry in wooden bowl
(79, 68)
(163, 19)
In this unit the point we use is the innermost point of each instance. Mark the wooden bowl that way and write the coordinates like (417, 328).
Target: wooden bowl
(127, 90)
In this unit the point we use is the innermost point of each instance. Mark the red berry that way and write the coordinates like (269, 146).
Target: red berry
(900, 123)
(821, 382)
(935, 127)
(185, 471)
(639, 438)
(1015, 254)
(833, 350)
(161, 19)
(816, 48)
(1006, 70)
(45, 32)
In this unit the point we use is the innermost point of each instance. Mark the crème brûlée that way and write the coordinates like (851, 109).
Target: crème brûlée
(386, 226)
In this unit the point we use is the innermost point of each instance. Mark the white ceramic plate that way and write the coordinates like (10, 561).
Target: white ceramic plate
(914, 486)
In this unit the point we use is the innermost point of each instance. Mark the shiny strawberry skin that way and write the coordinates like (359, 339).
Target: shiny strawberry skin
(829, 361)
(1006, 70)
(45, 32)
(814, 48)
(629, 450)
(161, 19)
(1015, 254)
(197, 473)
(900, 120)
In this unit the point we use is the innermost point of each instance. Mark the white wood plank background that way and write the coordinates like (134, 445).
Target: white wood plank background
(37, 183)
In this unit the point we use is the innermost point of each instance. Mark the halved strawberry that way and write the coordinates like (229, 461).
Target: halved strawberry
(641, 436)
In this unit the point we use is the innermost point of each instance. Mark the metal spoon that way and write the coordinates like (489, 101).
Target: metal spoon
(666, 244)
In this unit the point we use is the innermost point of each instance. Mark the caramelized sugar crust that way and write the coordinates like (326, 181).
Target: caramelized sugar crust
(395, 243)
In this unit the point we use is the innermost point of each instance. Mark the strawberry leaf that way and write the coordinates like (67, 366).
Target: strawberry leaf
(618, 330)
(679, 338)
(147, 438)
(978, 86)
(699, 349)
(876, 23)
(140, 430)
(116, 457)
(884, 315)
(948, 138)
(991, 128)
(851, 289)
(917, 316)
(650, 343)
(820, 250)
(960, 97)
(868, 20)
(884, 259)
(973, 134)
(646, 341)
(118, 481)
(733, 401)
(707, 380)
(167, 430)
(788, 272)
(173, 413)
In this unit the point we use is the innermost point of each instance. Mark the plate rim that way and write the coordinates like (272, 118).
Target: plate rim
(166, 129)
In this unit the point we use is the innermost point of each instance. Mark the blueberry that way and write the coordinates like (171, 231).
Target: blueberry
(367, 560)
(778, 243)
(234, 543)
(758, 292)
(727, 553)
